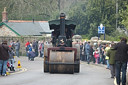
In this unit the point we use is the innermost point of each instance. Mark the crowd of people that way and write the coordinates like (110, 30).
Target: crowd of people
(35, 48)
(113, 55)
(94, 52)
(8, 50)
(7, 53)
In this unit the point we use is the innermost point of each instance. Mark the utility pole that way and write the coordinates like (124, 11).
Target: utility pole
(116, 14)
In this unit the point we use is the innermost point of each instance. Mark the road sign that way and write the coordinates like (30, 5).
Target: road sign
(101, 29)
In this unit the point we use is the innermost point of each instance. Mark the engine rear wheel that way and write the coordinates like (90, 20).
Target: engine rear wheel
(46, 65)
(61, 69)
(77, 68)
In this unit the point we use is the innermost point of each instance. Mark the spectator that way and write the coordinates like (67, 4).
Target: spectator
(4, 56)
(81, 49)
(103, 56)
(90, 54)
(35, 47)
(100, 53)
(121, 58)
(41, 49)
(17, 48)
(11, 59)
(31, 53)
(106, 57)
(111, 55)
(27, 48)
(12, 43)
(85, 54)
(87, 49)
(96, 55)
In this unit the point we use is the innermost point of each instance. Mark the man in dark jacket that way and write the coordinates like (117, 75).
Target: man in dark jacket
(87, 50)
(81, 49)
(4, 56)
(121, 58)
(91, 54)
(35, 47)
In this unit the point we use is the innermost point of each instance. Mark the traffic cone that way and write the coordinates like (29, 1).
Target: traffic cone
(7, 73)
(19, 66)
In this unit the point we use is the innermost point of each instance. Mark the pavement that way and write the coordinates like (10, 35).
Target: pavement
(17, 70)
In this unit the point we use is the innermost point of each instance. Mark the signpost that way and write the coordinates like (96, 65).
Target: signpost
(101, 30)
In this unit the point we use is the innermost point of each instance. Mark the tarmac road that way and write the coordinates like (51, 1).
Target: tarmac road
(33, 75)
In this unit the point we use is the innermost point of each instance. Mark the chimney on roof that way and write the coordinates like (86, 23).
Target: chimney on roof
(4, 15)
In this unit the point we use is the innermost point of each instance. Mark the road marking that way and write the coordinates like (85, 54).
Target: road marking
(20, 71)
(115, 81)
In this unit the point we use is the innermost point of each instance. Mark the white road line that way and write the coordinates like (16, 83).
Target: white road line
(22, 70)
(115, 82)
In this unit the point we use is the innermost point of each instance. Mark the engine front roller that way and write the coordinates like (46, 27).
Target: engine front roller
(61, 61)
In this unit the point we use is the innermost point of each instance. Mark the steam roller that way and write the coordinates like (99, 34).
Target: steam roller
(61, 56)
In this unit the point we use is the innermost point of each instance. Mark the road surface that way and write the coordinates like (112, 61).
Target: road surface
(34, 75)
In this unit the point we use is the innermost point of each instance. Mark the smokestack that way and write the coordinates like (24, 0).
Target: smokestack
(62, 24)
(4, 15)
(62, 37)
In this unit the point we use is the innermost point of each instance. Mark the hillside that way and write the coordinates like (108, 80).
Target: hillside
(35, 9)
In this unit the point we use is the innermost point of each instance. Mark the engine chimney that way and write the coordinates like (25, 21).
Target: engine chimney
(62, 37)
(4, 15)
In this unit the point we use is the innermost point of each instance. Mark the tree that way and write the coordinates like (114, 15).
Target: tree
(90, 14)
(123, 13)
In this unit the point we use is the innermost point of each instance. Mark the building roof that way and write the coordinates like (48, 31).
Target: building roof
(24, 28)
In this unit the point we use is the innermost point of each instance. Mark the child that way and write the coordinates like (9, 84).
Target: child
(96, 55)
(11, 60)
(31, 54)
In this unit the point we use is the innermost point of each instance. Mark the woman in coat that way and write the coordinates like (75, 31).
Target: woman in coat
(4, 56)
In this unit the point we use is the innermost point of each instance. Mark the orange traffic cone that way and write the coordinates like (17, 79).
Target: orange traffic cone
(19, 66)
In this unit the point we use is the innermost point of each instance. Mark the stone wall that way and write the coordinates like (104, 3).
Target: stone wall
(23, 40)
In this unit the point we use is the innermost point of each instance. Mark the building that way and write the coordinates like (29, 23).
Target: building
(22, 27)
